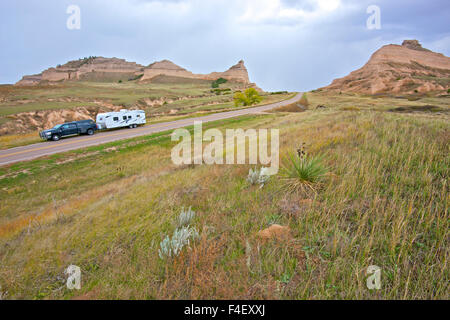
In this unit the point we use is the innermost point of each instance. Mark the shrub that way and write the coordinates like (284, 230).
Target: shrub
(258, 176)
(218, 82)
(181, 237)
(302, 172)
(171, 247)
(221, 91)
(136, 77)
(278, 92)
(185, 217)
(247, 98)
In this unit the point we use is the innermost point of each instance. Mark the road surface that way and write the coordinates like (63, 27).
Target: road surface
(37, 150)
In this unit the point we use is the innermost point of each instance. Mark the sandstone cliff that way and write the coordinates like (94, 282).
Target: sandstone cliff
(93, 68)
(408, 68)
(113, 69)
(237, 72)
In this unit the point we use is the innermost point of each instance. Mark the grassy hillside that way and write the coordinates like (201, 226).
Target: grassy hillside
(106, 209)
(163, 99)
(14, 100)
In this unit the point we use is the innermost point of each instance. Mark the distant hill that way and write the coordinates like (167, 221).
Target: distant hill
(114, 69)
(408, 68)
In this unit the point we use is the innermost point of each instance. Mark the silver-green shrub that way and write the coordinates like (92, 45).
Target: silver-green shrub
(185, 217)
(171, 247)
(258, 176)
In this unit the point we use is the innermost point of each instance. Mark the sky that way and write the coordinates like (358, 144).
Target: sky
(286, 44)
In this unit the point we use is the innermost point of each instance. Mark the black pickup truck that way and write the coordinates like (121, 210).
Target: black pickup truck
(69, 129)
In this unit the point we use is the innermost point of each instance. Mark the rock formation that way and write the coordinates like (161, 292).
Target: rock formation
(92, 68)
(237, 72)
(408, 68)
(113, 69)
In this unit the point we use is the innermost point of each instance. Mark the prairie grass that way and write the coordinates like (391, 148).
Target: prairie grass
(304, 100)
(385, 203)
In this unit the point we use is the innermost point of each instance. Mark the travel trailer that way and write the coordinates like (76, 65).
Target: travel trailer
(121, 119)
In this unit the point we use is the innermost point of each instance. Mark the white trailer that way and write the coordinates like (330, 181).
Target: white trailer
(120, 119)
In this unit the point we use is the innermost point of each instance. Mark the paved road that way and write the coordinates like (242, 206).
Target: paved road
(37, 150)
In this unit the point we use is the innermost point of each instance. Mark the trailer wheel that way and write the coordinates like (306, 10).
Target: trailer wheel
(134, 125)
(90, 132)
(55, 137)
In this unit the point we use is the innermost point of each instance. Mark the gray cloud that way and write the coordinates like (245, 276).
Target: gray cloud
(286, 44)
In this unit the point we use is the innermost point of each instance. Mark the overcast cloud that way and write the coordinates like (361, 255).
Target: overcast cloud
(286, 44)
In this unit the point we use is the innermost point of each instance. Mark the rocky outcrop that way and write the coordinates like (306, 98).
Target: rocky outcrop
(236, 73)
(408, 68)
(44, 119)
(275, 231)
(166, 68)
(414, 45)
(113, 69)
(93, 68)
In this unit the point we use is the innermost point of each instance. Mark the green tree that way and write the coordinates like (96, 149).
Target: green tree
(218, 82)
(247, 98)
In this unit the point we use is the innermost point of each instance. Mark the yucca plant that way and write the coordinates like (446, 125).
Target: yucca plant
(301, 172)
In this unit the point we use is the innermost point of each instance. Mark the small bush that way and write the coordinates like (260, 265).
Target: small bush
(218, 82)
(221, 91)
(136, 77)
(302, 172)
(181, 237)
(258, 176)
(171, 247)
(278, 92)
(185, 217)
(247, 98)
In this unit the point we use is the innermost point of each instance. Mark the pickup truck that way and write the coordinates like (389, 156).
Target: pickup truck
(69, 129)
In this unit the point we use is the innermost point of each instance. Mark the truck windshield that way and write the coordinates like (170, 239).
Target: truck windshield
(57, 126)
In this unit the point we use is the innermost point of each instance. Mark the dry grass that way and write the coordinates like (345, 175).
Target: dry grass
(17, 140)
(385, 203)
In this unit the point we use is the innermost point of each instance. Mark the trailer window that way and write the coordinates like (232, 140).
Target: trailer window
(116, 118)
(138, 116)
(129, 117)
(124, 117)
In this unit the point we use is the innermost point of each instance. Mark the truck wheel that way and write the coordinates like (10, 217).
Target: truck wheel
(55, 137)
(90, 132)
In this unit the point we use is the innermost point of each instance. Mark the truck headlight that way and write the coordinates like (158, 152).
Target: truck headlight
(48, 133)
